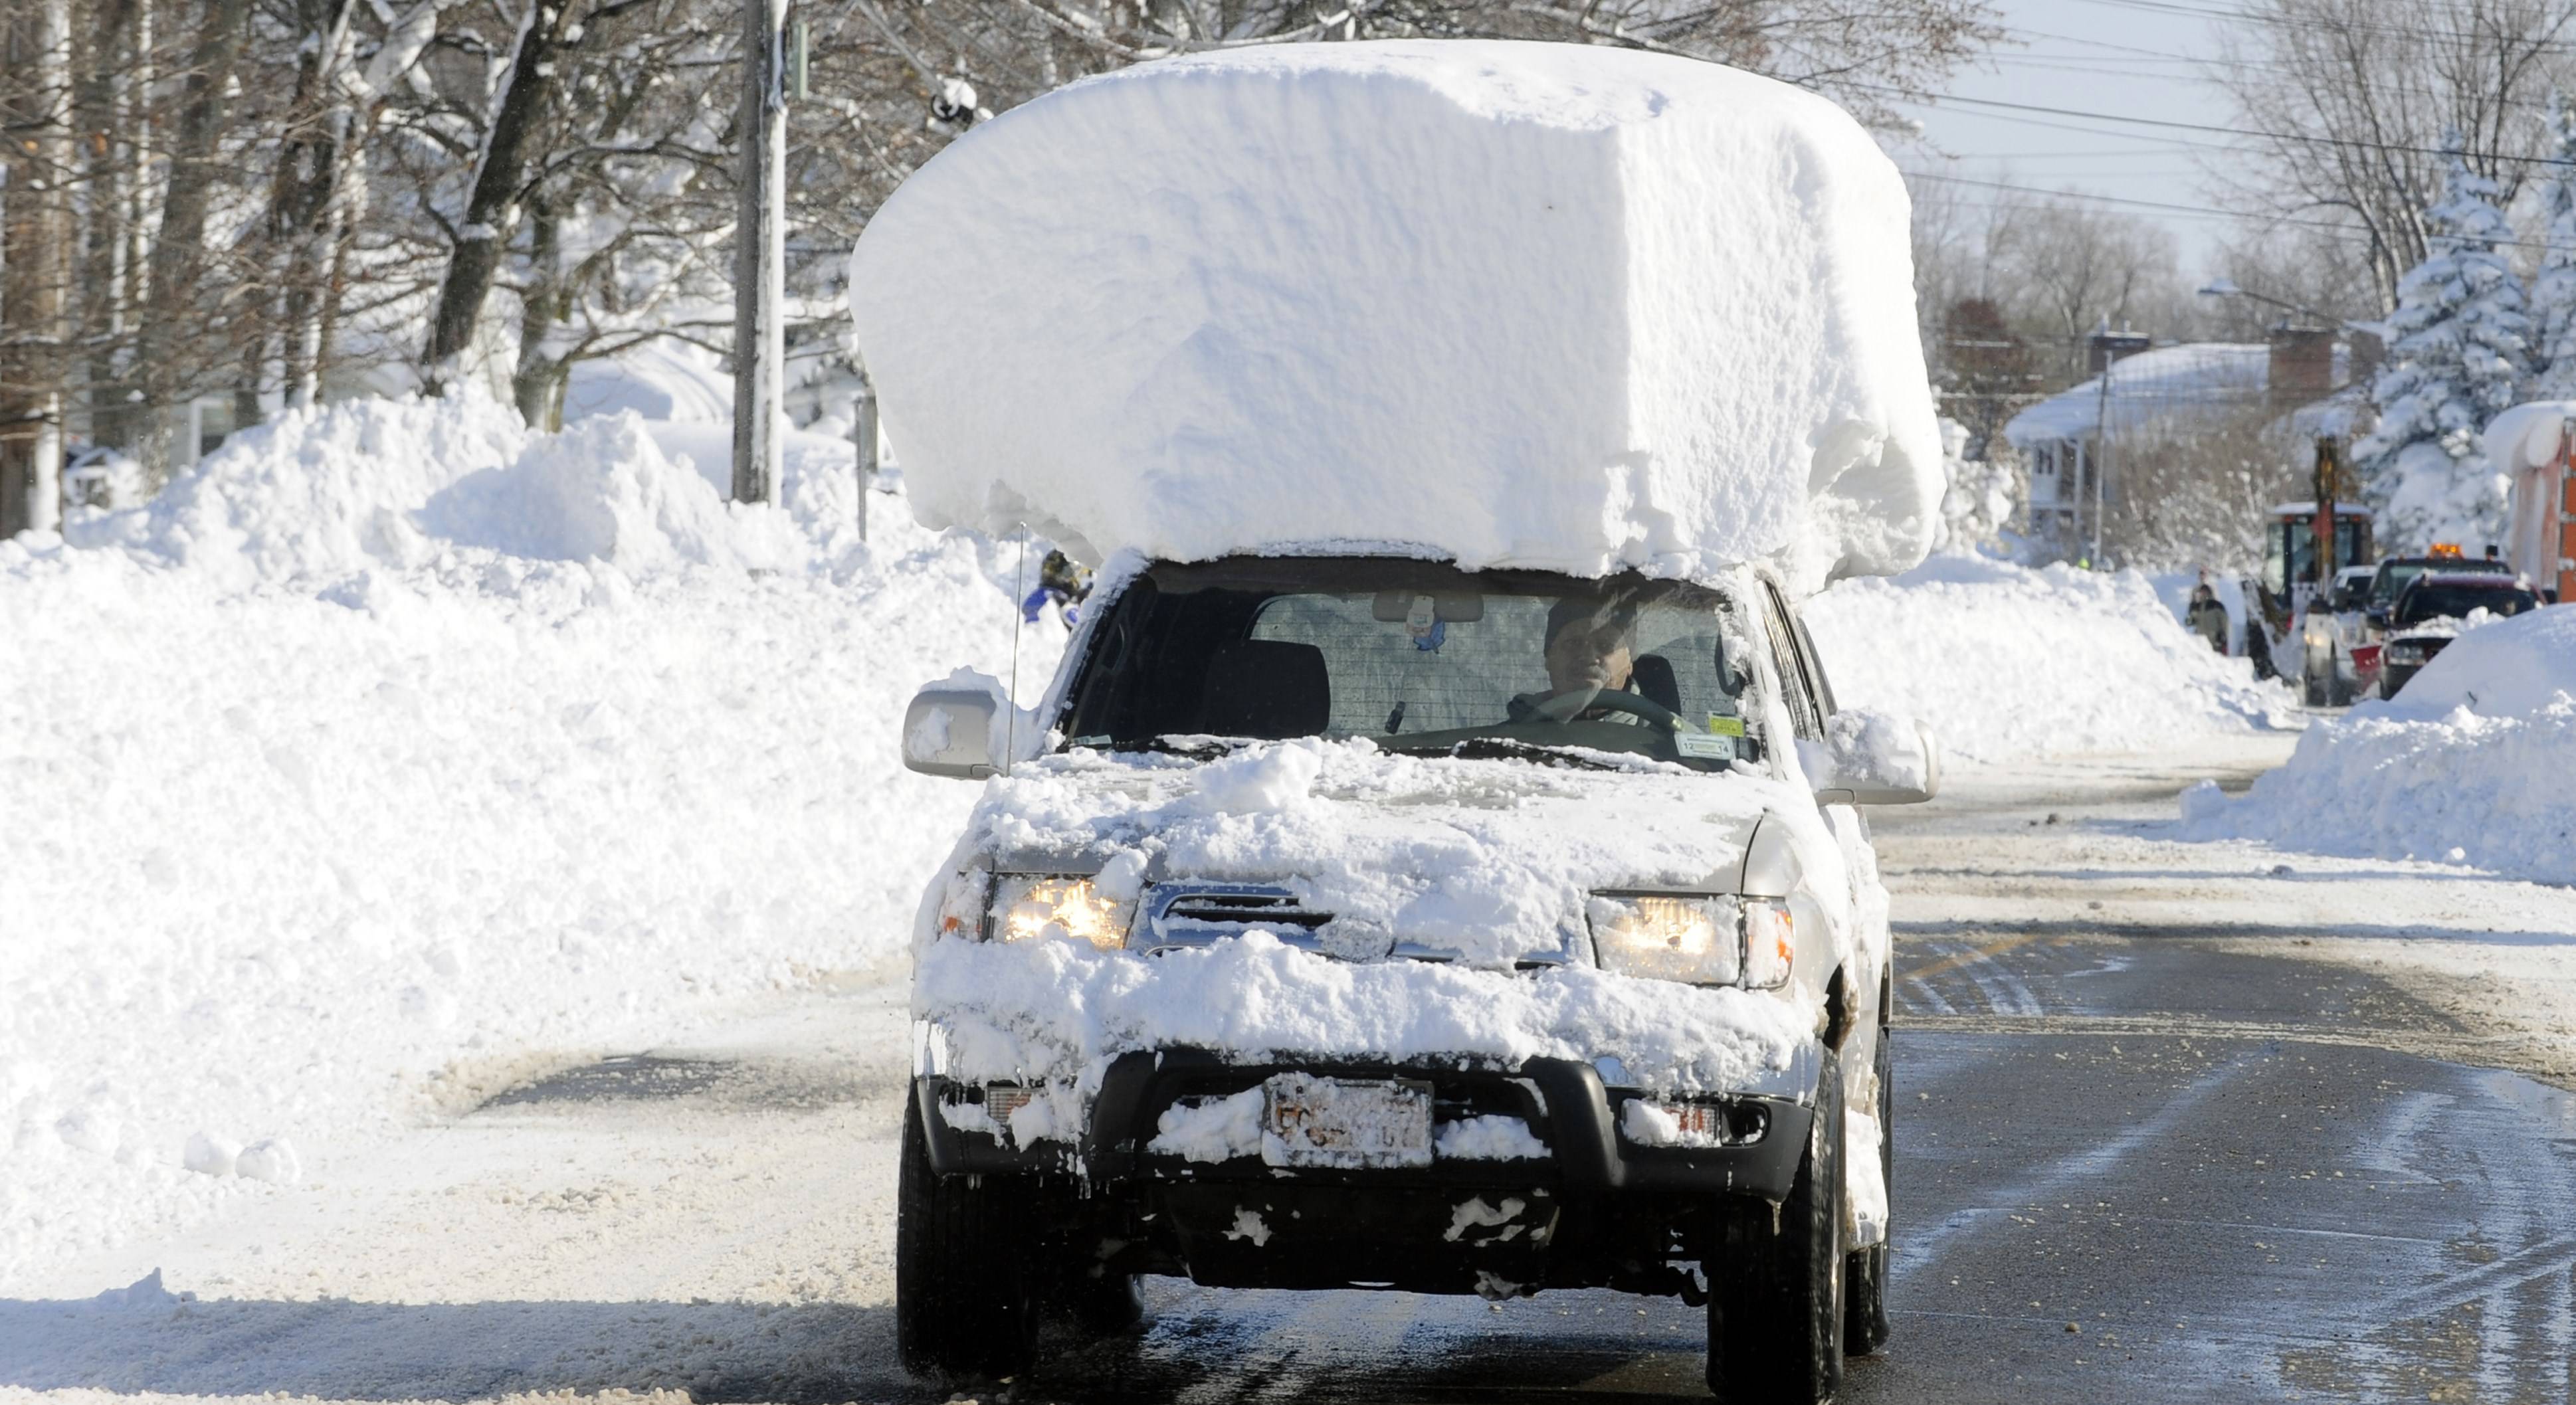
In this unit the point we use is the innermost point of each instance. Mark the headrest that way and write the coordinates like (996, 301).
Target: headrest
(1267, 689)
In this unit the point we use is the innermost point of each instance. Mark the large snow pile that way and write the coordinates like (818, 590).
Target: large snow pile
(2003, 661)
(2474, 763)
(395, 748)
(1542, 305)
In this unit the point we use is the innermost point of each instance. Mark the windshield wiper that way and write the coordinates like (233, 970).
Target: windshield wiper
(1506, 748)
(1168, 746)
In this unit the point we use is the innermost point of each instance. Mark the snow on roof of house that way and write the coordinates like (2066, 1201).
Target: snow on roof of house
(1558, 306)
(2193, 378)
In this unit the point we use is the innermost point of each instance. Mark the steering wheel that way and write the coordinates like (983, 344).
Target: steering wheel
(1572, 705)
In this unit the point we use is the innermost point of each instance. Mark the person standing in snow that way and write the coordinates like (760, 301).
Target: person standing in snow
(1064, 583)
(2207, 617)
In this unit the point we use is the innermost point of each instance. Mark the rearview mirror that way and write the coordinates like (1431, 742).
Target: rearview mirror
(1872, 758)
(948, 729)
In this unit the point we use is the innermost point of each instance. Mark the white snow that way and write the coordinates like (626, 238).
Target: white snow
(2474, 763)
(1562, 306)
(2522, 449)
(1489, 1137)
(321, 818)
(1494, 860)
(2002, 661)
(2195, 380)
(1058, 1010)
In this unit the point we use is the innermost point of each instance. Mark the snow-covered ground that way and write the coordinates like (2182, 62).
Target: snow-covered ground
(394, 744)
(398, 754)
(2472, 763)
(2006, 662)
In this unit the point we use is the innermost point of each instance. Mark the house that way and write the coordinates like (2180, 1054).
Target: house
(2151, 397)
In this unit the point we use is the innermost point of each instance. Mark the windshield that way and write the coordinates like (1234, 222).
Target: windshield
(1420, 657)
(2395, 576)
(2438, 600)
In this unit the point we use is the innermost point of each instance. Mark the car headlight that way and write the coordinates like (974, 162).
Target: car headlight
(1673, 939)
(2405, 653)
(1705, 941)
(1030, 907)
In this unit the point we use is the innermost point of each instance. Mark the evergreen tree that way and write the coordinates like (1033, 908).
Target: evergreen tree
(2460, 349)
(2553, 287)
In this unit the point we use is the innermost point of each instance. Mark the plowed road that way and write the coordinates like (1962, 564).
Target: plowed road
(2163, 1136)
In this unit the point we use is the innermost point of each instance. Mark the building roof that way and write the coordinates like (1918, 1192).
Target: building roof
(2185, 381)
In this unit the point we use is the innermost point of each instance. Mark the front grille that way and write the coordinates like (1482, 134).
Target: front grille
(1181, 915)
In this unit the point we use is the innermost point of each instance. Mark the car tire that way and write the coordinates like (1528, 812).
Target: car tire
(1775, 1318)
(963, 1309)
(1865, 1325)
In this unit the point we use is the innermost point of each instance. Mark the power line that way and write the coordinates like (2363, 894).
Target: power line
(2189, 211)
(2353, 143)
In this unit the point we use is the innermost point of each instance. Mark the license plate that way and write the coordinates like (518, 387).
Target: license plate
(1345, 1123)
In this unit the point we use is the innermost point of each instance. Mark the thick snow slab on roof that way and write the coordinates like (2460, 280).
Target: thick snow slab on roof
(1529, 304)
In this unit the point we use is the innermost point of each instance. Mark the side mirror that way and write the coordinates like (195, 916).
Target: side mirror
(948, 729)
(1872, 758)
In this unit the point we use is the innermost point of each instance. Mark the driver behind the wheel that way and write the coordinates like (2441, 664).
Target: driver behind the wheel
(1590, 648)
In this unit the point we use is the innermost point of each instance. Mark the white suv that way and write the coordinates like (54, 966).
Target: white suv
(1361, 921)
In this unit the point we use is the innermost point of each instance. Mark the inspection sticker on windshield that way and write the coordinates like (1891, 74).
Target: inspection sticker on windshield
(1345, 1123)
(1705, 748)
(1721, 725)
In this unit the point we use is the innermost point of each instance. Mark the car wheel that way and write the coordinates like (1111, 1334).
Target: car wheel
(962, 1305)
(1865, 1326)
(1775, 1320)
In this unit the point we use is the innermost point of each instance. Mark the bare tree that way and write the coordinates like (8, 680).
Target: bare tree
(2344, 104)
(36, 173)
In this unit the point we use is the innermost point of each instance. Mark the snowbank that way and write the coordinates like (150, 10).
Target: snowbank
(396, 751)
(1542, 305)
(2003, 661)
(2474, 763)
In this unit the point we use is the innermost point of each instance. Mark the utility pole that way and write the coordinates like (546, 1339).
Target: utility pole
(760, 255)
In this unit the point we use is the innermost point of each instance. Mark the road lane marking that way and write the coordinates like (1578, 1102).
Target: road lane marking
(1984, 953)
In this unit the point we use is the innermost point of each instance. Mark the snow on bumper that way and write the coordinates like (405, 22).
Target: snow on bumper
(1055, 1013)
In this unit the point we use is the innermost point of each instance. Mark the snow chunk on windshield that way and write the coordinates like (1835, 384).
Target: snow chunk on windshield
(1557, 306)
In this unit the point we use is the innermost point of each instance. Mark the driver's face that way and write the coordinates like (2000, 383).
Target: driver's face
(1589, 655)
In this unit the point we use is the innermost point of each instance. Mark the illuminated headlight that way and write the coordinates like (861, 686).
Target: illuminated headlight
(1027, 908)
(2405, 652)
(1705, 941)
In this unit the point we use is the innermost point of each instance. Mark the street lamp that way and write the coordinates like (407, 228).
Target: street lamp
(2225, 287)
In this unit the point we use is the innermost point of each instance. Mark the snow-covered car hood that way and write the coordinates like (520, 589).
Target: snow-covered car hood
(1489, 860)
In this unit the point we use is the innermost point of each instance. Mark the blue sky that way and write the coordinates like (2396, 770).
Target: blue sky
(2136, 58)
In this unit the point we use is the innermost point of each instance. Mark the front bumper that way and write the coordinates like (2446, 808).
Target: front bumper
(1563, 1102)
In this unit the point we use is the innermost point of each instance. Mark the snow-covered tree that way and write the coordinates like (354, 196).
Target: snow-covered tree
(2459, 351)
(2553, 287)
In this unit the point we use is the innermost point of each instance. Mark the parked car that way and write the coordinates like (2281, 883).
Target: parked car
(2428, 613)
(1616, 816)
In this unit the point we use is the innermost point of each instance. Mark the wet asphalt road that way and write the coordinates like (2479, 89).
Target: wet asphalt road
(2149, 1215)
